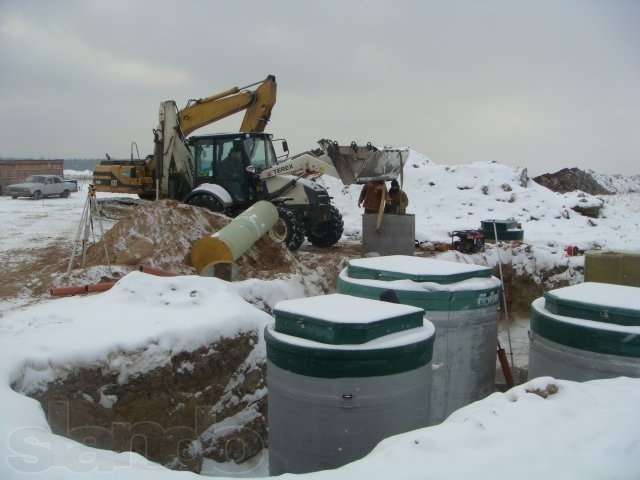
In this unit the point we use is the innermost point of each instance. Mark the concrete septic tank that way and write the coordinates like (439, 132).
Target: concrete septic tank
(396, 235)
(585, 332)
(343, 373)
(460, 299)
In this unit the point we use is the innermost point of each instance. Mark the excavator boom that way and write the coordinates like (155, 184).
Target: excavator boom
(258, 105)
(171, 157)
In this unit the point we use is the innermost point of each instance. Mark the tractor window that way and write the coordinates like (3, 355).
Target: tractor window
(204, 159)
(231, 164)
(232, 158)
(257, 152)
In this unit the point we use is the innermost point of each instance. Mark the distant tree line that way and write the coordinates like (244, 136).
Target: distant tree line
(69, 163)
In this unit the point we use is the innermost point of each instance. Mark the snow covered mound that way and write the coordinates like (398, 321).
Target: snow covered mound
(172, 329)
(78, 174)
(446, 198)
(618, 183)
(544, 429)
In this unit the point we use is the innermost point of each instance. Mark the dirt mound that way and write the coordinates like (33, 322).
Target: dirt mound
(160, 235)
(571, 179)
(174, 414)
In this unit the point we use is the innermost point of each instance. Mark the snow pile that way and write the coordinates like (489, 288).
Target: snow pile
(163, 315)
(445, 198)
(543, 429)
(618, 183)
(140, 325)
(78, 174)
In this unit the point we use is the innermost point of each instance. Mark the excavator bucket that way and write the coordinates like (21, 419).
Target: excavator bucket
(362, 164)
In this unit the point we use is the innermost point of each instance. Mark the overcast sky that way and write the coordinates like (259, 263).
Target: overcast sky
(543, 84)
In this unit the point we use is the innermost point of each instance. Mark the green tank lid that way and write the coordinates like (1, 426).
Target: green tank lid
(601, 302)
(404, 267)
(470, 294)
(507, 230)
(501, 225)
(395, 353)
(507, 235)
(343, 319)
(589, 335)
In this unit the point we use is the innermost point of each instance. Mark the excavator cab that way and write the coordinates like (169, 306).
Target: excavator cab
(233, 161)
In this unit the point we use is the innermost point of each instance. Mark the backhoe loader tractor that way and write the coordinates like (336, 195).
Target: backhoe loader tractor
(229, 172)
(235, 170)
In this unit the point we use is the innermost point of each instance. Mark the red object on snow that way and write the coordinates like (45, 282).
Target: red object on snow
(156, 271)
(103, 286)
(572, 251)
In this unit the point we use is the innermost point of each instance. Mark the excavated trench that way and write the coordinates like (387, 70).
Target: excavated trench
(210, 403)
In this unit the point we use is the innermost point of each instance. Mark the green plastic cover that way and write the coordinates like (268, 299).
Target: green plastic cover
(343, 319)
(586, 335)
(601, 302)
(507, 235)
(430, 301)
(501, 225)
(404, 267)
(315, 360)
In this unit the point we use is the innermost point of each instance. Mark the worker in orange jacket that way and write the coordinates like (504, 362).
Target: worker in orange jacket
(371, 195)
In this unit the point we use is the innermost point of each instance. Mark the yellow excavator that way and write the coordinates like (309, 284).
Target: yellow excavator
(140, 176)
(228, 172)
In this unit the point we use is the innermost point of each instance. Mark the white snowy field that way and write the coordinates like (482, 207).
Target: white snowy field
(454, 197)
(579, 431)
(30, 223)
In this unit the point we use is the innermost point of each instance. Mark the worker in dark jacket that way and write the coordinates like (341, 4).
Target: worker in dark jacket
(398, 200)
(371, 196)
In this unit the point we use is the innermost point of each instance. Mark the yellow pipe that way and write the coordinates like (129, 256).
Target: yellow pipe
(232, 241)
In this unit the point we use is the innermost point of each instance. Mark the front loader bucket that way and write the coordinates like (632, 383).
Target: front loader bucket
(362, 164)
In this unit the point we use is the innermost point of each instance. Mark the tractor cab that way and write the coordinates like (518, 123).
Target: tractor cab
(233, 161)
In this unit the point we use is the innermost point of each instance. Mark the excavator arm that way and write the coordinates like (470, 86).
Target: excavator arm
(172, 160)
(257, 103)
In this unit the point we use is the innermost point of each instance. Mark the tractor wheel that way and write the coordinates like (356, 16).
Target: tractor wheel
(37, 195)
(207, 201)
(328, 232)
(295, 228)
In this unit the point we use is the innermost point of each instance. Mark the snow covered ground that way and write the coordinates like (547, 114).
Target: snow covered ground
(445, 198)
(618, 183)
(30, 223)
(581, 431)
(543, 429)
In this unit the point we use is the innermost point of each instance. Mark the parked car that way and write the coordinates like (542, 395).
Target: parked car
(40, 186)
(73, 182)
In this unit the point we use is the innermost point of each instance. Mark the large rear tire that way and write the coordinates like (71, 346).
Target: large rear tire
(206, 201)
(295, 228)
(65, 194)
(327, 232)
(37, 195)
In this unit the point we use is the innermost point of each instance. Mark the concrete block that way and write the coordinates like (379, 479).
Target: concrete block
(396, 235)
